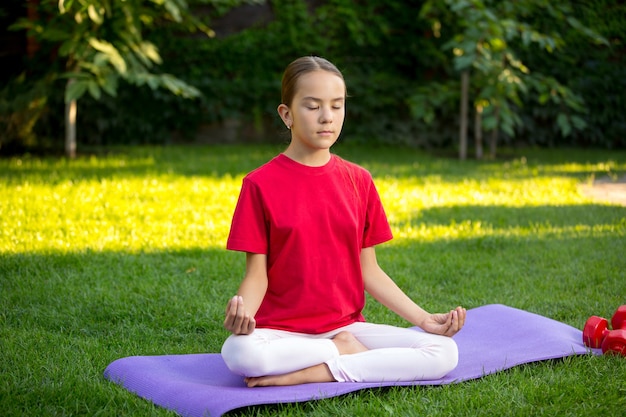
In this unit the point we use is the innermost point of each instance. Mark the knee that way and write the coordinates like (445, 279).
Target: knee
(243, 356)
(448, 355)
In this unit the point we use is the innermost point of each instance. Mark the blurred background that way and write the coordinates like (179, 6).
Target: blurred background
(467, 75)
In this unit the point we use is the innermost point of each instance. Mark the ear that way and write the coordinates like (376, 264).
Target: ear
(285, 113)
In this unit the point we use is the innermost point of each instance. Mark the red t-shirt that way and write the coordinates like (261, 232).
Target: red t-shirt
(312, 223)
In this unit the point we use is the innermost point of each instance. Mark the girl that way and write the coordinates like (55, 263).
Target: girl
(308, 222)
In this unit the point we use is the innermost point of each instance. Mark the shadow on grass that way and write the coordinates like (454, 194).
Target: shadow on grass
(233, 160)
(504, 217)
(214, 161)
(159, 297)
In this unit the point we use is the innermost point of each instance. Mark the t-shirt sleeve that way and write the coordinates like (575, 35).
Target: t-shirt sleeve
(248, 230)
(377, 228)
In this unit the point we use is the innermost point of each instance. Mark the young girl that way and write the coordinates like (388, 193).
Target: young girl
(308, 222)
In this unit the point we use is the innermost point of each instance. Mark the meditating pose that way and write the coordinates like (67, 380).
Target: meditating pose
(308, 222)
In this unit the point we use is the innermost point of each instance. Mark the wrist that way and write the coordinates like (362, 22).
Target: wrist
(420, 318)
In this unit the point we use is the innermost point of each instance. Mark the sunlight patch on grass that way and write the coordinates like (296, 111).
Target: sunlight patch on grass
(150, 199)
(49, 171)
(401, 195)
(149, 213)
(596, 169)
(431, 208)
(479, 230)
(582, 170)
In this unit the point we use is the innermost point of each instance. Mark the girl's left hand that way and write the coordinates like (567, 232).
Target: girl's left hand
(447, 324)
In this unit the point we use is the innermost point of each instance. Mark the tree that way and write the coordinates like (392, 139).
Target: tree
(100, 42)
(487, 33)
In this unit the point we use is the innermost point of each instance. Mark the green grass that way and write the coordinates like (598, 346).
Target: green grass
(122, 254)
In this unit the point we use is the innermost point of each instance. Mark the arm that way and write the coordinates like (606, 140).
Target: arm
(380, 286)
(239, 318)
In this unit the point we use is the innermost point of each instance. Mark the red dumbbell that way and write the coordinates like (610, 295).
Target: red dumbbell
(597, 335)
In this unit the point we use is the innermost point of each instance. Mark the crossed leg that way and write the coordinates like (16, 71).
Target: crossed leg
(363, 352)
(346, 344)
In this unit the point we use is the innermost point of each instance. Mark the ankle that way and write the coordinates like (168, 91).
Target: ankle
(347, 344)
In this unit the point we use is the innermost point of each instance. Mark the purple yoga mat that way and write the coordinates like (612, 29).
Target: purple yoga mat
(495, 337)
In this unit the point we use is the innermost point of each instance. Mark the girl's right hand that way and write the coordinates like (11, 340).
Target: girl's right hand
(237, 320)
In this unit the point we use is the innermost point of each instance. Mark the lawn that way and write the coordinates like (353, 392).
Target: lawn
(122, 253)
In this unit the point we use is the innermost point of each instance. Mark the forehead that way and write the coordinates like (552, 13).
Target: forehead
(321, 84)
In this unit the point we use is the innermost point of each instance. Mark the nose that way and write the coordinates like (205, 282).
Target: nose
(326, 116)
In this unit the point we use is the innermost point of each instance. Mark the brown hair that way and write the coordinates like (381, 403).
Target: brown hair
(298, 68)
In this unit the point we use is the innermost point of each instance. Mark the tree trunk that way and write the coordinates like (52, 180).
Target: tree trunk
(478, 131)
(32, 46)
(463, 116)
(493, 143)
(70, 125)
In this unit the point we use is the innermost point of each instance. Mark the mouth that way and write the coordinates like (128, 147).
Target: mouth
(325, 132)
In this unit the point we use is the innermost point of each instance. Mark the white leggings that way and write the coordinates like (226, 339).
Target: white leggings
(395, 354)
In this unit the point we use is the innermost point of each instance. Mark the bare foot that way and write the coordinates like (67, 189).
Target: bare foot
(348, 344)
(316, 373)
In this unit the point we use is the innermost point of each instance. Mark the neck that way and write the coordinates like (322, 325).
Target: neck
(312, 158)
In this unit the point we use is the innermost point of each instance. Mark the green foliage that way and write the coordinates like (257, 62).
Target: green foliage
(239, 75)
(434, 104)
(95, 44)
(101, 42)
(596, 73)
(535, 69)
(484, 38)
(21, 106)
